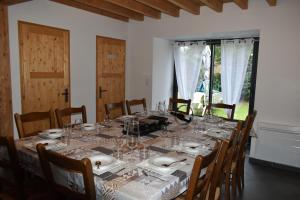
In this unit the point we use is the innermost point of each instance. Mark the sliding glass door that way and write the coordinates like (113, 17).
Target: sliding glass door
(209, 89)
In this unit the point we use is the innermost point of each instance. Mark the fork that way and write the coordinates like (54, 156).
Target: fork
(168, 165)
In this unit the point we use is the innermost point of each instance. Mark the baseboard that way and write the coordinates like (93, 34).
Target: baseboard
(274, 165)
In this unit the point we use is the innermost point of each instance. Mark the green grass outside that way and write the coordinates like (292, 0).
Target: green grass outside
(241, 111)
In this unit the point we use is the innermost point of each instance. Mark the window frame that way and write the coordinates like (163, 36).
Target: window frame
(212, 44)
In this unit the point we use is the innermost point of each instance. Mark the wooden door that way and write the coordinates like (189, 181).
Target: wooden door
(44, 67)
(110, 72)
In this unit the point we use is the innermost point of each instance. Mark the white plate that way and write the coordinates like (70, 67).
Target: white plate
(191, 144)
(51, 133)
(89, 127)
(49, 142)
(54, 130)
(105, 160)
(124, 117)
(160, 161)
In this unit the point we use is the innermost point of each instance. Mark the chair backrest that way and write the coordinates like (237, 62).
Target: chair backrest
(201, 162)
(27, 118)
(233, 147)
(111, 108)
(245, 135)
(217, 171)
(173, 105)
(211, 180)
(209, 107)
(83, 167)
(10, 162)
(68, 112)
(135, 102)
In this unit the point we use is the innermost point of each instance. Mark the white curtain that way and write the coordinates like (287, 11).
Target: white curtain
(234, 61)
(188, 60)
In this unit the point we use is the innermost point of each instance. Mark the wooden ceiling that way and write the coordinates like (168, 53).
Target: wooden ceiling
(126, 10)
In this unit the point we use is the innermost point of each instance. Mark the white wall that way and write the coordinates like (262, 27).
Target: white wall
(277, 89)
(162, 71)
(84, 27)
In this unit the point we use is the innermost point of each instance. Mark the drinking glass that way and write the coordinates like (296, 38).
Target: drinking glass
(67, 131)
(144, 153)
(133, 136)
(107, 121)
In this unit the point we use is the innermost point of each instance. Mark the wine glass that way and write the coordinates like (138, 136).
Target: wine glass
(133, 135)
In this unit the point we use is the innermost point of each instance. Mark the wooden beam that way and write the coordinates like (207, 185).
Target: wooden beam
(163, 6)
(189, 6)
(216, 5)
(12, 2)
(243, 4)
(91, 9)
(104, 5)
(137, 7)
(6, 119)
(272, 2)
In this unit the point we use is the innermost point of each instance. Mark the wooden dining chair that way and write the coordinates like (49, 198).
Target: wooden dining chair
(114, 110)
(32, 118)
(83, 167)
(241, 148)
(10, 163)
(62, 114)
(230, 173)
(207, 186)
(135, 102)
(209, 108)
(173, 105)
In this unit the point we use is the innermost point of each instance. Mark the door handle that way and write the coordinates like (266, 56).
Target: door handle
(66, 94)
(101, 91)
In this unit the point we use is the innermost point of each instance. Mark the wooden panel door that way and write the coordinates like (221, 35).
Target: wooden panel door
(45, 71)
(110, 73)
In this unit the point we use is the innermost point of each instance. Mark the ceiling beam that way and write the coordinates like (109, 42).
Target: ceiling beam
(243, 4)
(104, 5)
(272, 2)
(189, 6)
(137, 7)
(92, 9)
(216, 5)
(163, 6)
(12, 2)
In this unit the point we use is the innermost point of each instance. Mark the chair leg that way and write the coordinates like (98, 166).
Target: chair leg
(242, 174)
(233, 184)
(227, 186)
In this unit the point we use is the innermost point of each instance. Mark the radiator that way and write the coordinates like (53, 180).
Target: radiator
(277, 143)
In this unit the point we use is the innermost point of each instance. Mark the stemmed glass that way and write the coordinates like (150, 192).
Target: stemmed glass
(133, 136)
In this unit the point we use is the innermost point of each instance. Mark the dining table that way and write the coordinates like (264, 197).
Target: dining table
(158, 168)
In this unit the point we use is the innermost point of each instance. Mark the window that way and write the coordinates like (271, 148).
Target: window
(209, 88)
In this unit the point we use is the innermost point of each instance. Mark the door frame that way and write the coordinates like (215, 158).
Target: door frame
(21, 66)
(97, 80)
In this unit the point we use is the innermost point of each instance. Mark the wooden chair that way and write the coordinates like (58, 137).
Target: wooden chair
(135, 102)
(241, 155)
(68, 112)
(173, 105)
(11, 163)
(230, 173)
(209, 108)
(113, 107)
(23, 119)
(84, 167)
(207, 187)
